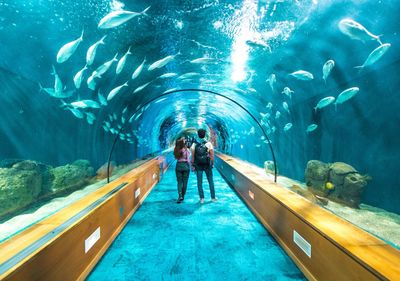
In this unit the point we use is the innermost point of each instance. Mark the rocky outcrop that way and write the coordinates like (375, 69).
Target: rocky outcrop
(348, 184)
(23, 182)
(101, 173)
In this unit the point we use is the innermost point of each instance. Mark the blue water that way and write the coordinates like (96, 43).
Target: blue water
(190, 241)
(248, 41)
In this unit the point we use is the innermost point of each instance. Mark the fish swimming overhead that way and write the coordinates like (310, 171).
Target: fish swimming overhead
(311, 128)
(90, 81)
(91, 52)
(302, 75)
(277, 114)
(138, 89)
(287, 92)
(327, 68)
(90, 117)
(115, 91)
(324, 102)
(286, 107)
(104, 67)
(162, 62)
(68, 49)
(122, 61)
(257, 43)
(167, 75)
(85, 104)
(203, 60)
(58, 86)
(76, 112)
(272, 81)
(58, 95)
(78, 77)
(375, 55)
(356, 31)
(101, 98)
(188, 75)
(116, 18)
(287, 127)
(138, 69)
(346, 95)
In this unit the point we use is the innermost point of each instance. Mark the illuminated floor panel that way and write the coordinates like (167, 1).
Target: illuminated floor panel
(189, 241)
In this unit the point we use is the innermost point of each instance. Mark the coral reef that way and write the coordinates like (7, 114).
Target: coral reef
(339, 182)
(23, 182)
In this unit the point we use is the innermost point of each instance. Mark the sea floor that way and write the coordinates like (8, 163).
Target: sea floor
(40, 211)
(191, 241)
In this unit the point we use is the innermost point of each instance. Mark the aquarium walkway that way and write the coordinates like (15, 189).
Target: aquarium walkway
(214, 241)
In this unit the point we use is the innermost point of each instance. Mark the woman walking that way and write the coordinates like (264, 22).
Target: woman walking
(182, 169)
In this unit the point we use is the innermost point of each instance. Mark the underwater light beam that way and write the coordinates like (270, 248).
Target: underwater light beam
(194, 90)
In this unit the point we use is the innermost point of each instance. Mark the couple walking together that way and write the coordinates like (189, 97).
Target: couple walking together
(199, 159)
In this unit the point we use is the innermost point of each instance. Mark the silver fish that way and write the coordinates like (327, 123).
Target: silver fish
(324, 102)
(272, 81)
(203, 60)
(287, 92)
(91, 52)
(104, 67)
(76, 112)
(356, 31)
(58, 95)
(90, 81)
(85, 104)
(287, 127)
(269, 105)
(102, 99)
(138, 89)
(375, 55)
(302, 75)
(58, 86)
(116, 18)
(115, 91)
(122, 61)
(168, 75)
(258, 44)
(90, 117)
(286, 107)
(277, 114)
(162, 62)
(188, 75)
(68, 49)
(78, 77)
(138, 69)
(327, 68)
(311, 128)
(346, 95)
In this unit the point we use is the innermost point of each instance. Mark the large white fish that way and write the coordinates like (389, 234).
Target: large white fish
(311, 128)
(375, 55)
(346, 95)
(272, 81)
(286, 107)
(138, 69)
(116, 18)
(68, 49)
(122, 61)
(302, 75)
(324, 102)
(85, 104)
(287, 92)
(78, 77)
(90, 81)
(162, 62)
(203, 60)
(104, 67)
(91, 52)
(356, 31)
(188, 75)
(168, 75)
(287, 127)
(327, 68)
(115, 91)
(138, 89)
(58, 86)
(102, 99)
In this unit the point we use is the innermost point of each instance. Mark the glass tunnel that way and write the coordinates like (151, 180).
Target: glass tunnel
(299, 100)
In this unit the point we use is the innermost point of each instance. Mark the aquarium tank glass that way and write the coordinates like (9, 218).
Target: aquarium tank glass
(311, 84)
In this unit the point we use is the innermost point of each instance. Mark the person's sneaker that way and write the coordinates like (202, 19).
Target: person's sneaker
(214, 199)
(201, 200)
(180, 199)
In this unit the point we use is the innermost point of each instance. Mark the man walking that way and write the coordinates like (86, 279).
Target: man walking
(203, 161)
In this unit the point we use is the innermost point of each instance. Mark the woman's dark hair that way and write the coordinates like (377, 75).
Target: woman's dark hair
(201, 133)
(179, 144)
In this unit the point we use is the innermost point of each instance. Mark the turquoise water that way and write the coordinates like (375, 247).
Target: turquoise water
(189, 241)
(55, 111)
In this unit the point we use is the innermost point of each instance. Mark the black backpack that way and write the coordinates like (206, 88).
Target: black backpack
(201, 155)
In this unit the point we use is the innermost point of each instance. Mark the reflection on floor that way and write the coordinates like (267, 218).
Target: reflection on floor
(189, 241)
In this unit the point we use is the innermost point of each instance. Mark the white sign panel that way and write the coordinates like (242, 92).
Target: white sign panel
(92, 239)
(137, 193)
(302, 243)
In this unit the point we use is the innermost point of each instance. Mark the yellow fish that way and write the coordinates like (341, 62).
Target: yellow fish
(329, 186)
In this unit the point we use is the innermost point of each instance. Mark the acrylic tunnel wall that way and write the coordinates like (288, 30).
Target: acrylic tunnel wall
(291, 64)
